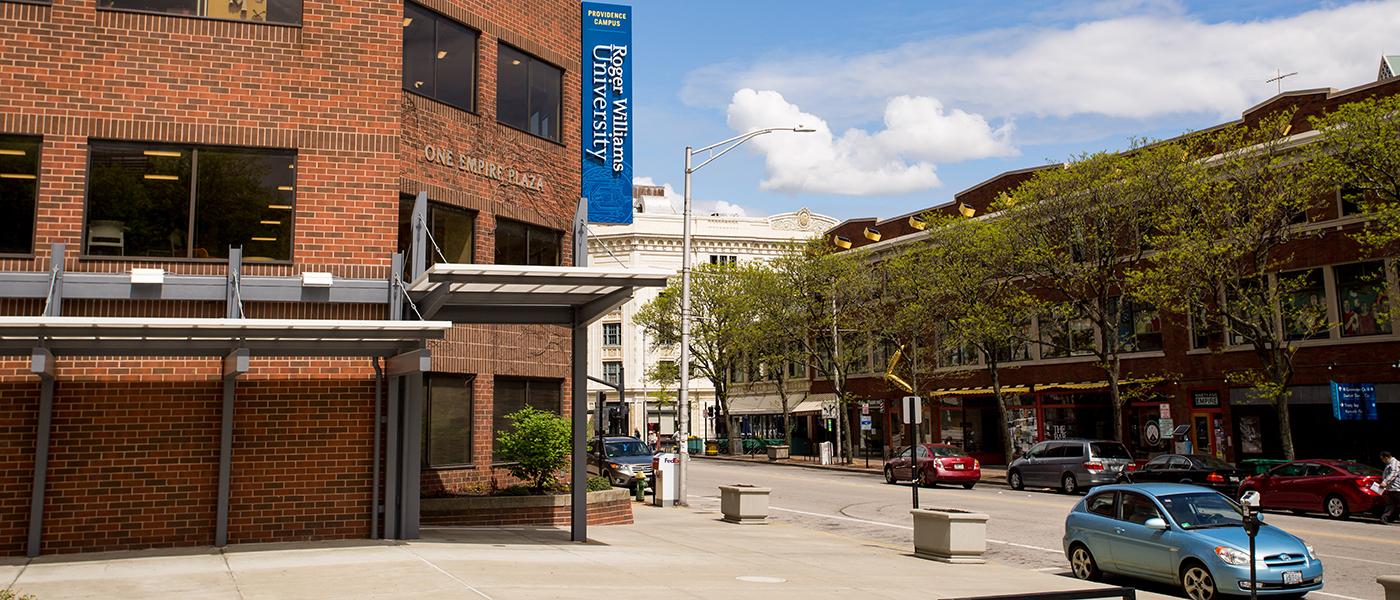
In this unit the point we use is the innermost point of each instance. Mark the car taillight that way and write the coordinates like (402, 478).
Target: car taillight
(1365, 484)
(976, 464)
(1215, 478)
(1093, 466)
(938, 463)
(1130, 467)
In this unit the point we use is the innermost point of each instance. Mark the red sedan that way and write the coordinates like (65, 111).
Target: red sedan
(1336, 488)
(938, 463)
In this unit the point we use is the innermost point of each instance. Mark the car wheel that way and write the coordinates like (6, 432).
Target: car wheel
(1336, 507)
(1197, 582)
(1013, 479)
(1069, 485)
(889, 476)
(968, 486)
(1082, 563)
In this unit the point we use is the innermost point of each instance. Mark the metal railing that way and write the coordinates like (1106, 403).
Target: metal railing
(1114, 592)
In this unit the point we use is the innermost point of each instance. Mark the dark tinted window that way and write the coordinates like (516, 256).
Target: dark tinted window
(528, 93)
(512, 394)
(1360, 469)
(1101, 504)
(1137, 508)
(448, 424)
(1109, 450)
(1073, 451)
(439, 57)
(1210, 462)
(270, 11)
(519, 243)
(946, 452)
(627, 448)
(1157, 463)
(141, 198)
(19, 187)
(1290, 470)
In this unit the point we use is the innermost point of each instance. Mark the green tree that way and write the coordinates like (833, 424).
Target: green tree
(1079, 230)
(962, 276)
(537, 445)
(834, 297)
(720, 314)
(775, 339)
(1223, 241)
(1362, 151)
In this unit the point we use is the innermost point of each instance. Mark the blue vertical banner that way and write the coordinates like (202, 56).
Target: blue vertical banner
(1354, 401)
(607, 112)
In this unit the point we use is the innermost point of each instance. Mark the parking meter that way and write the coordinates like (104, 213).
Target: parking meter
(1250, 502)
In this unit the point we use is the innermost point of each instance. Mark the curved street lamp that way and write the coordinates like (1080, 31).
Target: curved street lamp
(683, 403)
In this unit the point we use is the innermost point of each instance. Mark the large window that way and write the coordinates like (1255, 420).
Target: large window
(1306, 317)
(1062, 336)
(612, 334)
(439, 57)
(519, 243)
(512, 394)
(447, 426)
(19, 186)
(1139, 327)
(528, 93)
(1362, 300)
(1350, 200)
(724, 259)
(286, 12)
(147, 200)
(452, 231)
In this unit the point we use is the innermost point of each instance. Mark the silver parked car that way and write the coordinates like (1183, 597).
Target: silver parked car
(620, 459)
(1070, 465)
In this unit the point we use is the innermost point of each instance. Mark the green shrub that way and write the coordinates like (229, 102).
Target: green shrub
(537, 445)
(11, 595)
(599, 484)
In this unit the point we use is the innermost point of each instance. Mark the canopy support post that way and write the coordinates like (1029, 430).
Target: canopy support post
(41, 364)
(235, 364)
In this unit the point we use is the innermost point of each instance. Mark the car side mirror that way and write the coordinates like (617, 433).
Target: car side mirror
(1156, 523)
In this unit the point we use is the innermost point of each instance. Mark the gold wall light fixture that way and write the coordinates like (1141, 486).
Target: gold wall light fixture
(841, 241)
(965, 210)
(872, 234)
(918, 222)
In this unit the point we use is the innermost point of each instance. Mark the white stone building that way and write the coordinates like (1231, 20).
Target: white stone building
(654, 240)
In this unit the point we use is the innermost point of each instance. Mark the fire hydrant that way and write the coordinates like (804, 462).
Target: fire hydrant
(639, 484)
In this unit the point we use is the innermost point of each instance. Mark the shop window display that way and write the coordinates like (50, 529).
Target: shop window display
(1363, 304)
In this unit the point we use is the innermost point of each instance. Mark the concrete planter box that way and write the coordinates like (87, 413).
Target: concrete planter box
(950, 535)
(608, 507)
(779, 452)
(744, 504)
(1391, 584)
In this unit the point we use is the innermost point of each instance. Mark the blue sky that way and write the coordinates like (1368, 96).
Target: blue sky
(915, 101)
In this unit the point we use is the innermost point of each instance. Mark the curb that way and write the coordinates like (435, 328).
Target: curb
(999, 481)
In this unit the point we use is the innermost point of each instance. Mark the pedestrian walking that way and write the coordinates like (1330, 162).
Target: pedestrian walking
(1390, 487)
(652, 440)
(637, 433)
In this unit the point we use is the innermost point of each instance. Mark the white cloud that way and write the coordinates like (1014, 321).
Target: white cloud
(918, 134)
(1135, 59)
(671, 203)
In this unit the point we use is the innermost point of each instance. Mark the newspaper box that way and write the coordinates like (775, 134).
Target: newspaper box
(825, 452)
(666, 467)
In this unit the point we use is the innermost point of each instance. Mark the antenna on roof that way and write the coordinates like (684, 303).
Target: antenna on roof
(1278, 79)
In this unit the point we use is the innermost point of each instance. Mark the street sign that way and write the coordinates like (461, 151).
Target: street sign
(866, 424)
(1164, 411)
(829, 410)
(864, 408)
(914, 407)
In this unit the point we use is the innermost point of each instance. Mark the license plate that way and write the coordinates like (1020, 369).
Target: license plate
(1234, 479)
(1292, 577)
(959, 467)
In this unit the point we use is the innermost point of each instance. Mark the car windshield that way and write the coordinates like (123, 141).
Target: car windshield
(1110, 450)
(628, 448)
(945, 452)
(1203, 510)
(1360, 469)
(1211, 462)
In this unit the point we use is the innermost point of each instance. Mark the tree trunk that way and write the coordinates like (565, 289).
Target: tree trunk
(1002, 413)
(1285, 427)
(847, 432)
(1116, 398)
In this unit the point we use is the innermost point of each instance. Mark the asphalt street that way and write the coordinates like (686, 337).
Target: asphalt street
(1025, 528)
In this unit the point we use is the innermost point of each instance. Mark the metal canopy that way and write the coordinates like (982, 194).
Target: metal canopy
(121, 336)
(526, 294)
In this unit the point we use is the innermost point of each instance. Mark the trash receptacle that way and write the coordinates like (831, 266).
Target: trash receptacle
(693, 445)
(711, 448)
(824, 451)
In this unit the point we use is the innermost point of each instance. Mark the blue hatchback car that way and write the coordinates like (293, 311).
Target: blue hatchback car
(1185, 535)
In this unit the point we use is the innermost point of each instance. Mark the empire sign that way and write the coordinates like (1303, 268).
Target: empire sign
(483, 167)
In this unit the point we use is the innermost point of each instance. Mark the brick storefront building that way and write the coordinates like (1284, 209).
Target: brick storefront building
(158, 134)
(1180, 372)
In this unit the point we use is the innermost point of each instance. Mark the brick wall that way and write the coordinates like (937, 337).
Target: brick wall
(19, 403)
(607, 508)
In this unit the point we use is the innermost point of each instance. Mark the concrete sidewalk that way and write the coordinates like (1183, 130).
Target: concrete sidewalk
(990, 475)
(669, 552)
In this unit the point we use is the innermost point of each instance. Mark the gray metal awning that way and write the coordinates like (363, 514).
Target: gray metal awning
(465, 293)
(126, 336)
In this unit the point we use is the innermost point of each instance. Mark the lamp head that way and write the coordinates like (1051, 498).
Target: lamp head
(803, 129)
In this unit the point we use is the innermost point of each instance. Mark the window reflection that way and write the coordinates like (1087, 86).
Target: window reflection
(269, 11)
(519, 243)
(527, 93)
(439, 57)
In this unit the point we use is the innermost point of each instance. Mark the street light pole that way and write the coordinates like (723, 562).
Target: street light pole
(683, 403)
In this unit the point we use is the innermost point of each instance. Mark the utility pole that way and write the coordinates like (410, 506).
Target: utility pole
(836, 378)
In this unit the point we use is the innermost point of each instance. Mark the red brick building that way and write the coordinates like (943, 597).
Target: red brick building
(286, 142)
(1184, 378)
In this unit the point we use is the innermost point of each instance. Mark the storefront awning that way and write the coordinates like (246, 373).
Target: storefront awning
(1023, 389)
(144, 336)
(813, 404)
(767, 404)
(504, 294)
(982, 391)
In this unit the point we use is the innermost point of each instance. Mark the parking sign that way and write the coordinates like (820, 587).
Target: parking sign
(913, 407)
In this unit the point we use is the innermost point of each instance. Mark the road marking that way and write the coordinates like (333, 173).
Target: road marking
(1342, 536)
(1365, 560)
(1330, 595)
(905, 527)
